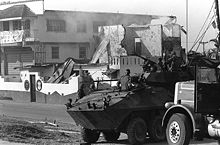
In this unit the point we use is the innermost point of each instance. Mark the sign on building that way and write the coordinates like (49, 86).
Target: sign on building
(7, 37)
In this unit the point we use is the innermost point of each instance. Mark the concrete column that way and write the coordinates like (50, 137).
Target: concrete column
(4, 70)
(0, 61)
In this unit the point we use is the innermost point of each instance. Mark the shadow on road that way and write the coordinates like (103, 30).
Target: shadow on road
(150, 142)
(123, 142)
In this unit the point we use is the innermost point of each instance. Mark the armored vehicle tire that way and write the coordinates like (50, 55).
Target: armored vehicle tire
(111, 135)
(89, 136)
(178, 131)
(136, 131)
(156, 131)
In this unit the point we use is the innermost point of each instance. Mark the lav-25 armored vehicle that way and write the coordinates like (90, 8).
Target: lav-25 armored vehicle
(137, 112)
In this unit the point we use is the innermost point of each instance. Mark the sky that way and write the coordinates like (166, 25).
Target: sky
(197, 10)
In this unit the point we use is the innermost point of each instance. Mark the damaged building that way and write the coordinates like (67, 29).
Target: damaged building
(29, 38)
(125, 46)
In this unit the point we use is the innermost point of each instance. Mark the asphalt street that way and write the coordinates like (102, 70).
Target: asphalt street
(35, 111)
(58, 112)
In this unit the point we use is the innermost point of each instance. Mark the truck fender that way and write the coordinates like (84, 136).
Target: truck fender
(180, 108)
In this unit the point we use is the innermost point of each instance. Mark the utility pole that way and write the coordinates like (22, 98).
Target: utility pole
(203, 46)
(0, 57)
(187, 29)
(218, 26)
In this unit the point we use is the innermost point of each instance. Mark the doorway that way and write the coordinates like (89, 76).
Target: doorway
(32, 88)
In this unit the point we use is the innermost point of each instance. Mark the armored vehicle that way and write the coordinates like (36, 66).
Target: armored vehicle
(137, 111)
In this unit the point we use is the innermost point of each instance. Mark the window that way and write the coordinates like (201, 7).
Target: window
(5, 25)
(96, 25)
(138, 46)
(27, 28)
(55, 52)
(81, 26)
(17, 25)
(82, 52)
(207, 75)
(56, 25)
(27, 25)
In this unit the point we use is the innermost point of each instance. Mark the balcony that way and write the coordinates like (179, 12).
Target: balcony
(16, 37)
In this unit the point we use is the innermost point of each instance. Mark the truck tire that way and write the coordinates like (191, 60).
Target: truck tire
(89, 136)
(111, 135)
(156, 131)
(178, 131)
(136, 131)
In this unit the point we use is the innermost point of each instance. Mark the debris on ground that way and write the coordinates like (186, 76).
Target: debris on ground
(37, 132)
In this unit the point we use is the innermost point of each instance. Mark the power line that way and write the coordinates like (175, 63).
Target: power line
(17, 2)
(203, 35)
(198, 36)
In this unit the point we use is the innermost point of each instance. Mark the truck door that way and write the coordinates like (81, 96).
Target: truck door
(207, 90)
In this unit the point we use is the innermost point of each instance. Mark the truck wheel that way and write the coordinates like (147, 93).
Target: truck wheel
(136, 131)
(89, 136)
(156, 131)
(111, 135)
(178, 131)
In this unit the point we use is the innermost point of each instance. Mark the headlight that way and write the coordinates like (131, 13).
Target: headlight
(210, 119)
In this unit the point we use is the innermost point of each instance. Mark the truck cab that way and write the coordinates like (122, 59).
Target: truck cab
(195, 111)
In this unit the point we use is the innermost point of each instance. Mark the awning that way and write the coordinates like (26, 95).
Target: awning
(10, 19)
(11, 44)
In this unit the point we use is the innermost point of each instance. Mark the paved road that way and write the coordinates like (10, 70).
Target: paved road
(58, 112)
(35, 111)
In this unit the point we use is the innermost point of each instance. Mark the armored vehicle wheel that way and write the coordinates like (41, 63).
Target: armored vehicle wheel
(178, 131)
(89, 136)
(136, 131)
(111, 135)
(156, 131)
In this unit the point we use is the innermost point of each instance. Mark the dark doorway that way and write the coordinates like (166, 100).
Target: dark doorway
(32, 88)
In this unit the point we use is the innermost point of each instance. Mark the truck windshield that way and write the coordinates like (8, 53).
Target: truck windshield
(207, 75)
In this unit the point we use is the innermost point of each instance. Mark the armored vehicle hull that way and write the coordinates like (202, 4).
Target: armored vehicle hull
(92, 113)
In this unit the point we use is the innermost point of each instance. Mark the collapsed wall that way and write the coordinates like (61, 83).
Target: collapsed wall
(149, 41)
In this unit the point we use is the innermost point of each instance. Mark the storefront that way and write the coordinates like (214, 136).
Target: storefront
(14, 58)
